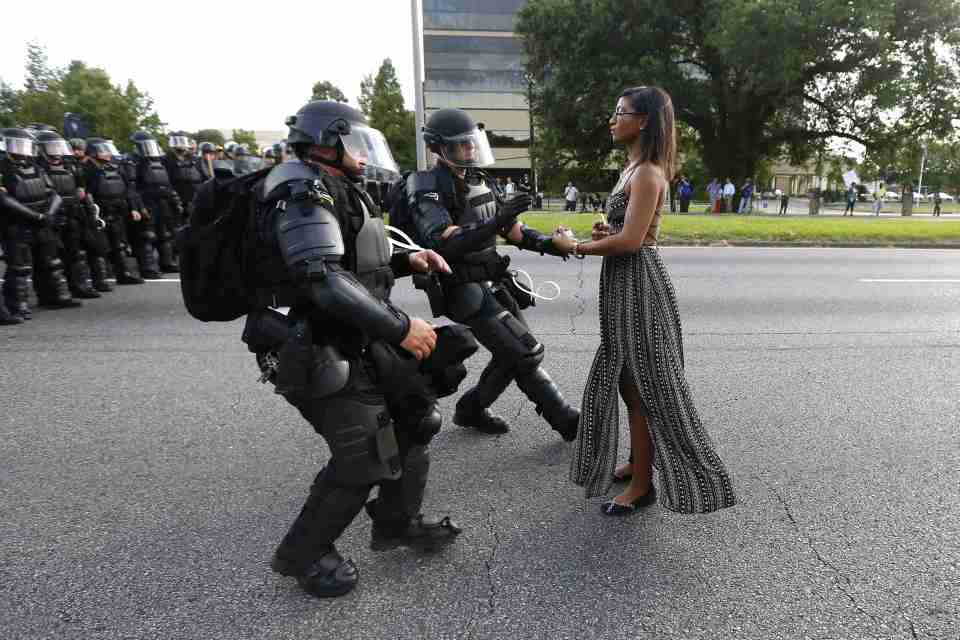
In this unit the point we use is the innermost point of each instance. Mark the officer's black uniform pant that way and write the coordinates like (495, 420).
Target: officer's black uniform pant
(352, 422)
(516, 355)
(27, 249)
(75, 254)
(165, 221)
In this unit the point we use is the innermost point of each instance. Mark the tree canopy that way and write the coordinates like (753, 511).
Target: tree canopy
(242, 136)
(381, 100)
(326, 90)
(753, 79)
(108, 110)
(209, 135)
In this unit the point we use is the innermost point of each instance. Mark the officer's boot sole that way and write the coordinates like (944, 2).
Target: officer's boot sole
(490, 424)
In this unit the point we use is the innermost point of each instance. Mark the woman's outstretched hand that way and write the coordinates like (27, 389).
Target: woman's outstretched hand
(561, 241)
(600, 230)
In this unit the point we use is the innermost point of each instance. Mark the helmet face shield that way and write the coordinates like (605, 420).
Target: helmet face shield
(57, 148)
(368, 144)
(470, 149)
(178, 142)
(150, 148)
(21, 147)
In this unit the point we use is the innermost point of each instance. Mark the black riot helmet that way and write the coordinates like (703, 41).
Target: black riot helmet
(101, 150)
(208, 147)
(53, 148)
(20, 143)
(145, 145)
(336, 125)
(178, 141)
(454, 136)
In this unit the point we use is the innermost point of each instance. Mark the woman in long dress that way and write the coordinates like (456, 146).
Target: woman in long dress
(641, 347)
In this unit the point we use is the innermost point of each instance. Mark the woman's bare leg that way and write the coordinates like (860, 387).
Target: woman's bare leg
(640, 444)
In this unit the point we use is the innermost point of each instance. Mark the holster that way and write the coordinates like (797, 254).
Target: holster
(523, 299)
(430, 284)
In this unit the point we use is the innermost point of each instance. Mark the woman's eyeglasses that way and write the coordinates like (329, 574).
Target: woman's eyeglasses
(620, 112)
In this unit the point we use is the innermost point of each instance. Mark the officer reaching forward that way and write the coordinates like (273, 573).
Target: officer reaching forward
(322, 250)
(458, 213)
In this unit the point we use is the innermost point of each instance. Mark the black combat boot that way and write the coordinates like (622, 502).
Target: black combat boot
(53, 291)
(168, 262)
(307, 552)
(98, 271)
(18, 281)
(473, 407)
(397, 521)
(124, 274)
(538, 386)
(6, 317)
(81, 281)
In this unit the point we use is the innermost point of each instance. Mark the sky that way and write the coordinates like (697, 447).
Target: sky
(223, 65)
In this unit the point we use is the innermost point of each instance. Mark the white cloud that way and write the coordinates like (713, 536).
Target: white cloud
(223, 64)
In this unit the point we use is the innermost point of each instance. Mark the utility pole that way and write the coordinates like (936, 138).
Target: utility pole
(416, 9)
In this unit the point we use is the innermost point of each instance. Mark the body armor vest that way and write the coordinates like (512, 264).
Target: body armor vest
(152, 177)
(64, 182)
(185, 172)
(480, 205)
(27, 185)
(372, 253)
(108, 186)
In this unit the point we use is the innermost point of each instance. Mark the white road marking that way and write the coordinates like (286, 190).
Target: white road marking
(164, 280)
(910, 280)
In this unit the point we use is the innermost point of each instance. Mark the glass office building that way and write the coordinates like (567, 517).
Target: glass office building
(473, 61)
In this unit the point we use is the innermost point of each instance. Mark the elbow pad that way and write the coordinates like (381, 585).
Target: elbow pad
(533, 240)
(340, 295)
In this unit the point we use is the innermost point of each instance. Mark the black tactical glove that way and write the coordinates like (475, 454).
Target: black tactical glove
(513, 207)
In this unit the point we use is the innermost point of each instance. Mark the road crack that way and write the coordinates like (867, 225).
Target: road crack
(841, 581)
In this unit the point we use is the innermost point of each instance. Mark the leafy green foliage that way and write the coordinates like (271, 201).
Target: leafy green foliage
(209, 135)
(382, 102)
(242, 136)
(108, 110)
(325, 90)
(754, 79)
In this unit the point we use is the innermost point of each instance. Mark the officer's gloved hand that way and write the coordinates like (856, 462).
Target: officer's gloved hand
(512, 208)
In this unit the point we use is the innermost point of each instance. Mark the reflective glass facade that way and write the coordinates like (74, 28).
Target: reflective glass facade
(473, 61)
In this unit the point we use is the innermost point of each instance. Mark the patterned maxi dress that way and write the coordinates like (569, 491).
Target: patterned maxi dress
(640, 338)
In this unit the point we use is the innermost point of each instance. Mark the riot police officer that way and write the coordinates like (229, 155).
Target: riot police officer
(459, 213)
(164, 211)
(208, 156)
(183, 170)
(119, 203)
(324, 253)
(30, 201)
(79, 214)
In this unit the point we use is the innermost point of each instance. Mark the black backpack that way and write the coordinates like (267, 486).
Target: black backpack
(215, 248)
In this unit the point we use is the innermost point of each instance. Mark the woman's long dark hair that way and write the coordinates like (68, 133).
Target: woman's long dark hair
(658, 139)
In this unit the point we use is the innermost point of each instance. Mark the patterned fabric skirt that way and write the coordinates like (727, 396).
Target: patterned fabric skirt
(641, 340)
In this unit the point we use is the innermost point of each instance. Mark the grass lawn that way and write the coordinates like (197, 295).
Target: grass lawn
(704, 229)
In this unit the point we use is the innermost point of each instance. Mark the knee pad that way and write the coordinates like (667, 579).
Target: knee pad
(531, 362)
(429, 427)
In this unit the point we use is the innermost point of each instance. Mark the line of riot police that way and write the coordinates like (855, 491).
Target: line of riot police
(75, 213)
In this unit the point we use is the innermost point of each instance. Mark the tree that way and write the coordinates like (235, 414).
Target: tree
(325, 90)
(87, 91)
(242, 136)
(754, 78)
(9, 105)
(209, 135)
(382, 102)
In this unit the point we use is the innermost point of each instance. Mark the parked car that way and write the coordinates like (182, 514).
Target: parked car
(891, 195)
(946, 196)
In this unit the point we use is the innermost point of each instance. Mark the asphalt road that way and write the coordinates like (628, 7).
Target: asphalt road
(145, 475)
